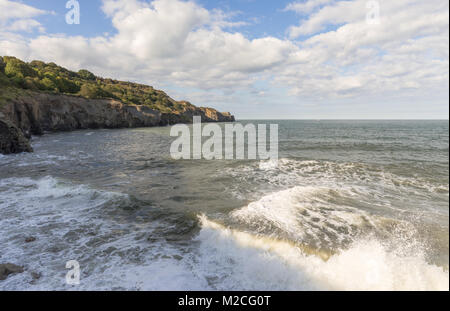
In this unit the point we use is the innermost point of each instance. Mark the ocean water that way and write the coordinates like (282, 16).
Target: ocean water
(350, 205)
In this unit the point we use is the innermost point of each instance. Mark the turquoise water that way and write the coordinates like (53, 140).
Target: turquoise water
(349, 205)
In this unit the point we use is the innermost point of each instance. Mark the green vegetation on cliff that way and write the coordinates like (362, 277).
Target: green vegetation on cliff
(49, 77)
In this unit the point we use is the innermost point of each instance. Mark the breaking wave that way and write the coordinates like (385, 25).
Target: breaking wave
(241, 260)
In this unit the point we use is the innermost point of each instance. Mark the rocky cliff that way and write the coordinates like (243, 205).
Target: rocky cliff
(36, 97)
(12, 139)
(37, 113)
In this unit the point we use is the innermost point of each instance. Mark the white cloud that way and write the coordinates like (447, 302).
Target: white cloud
(16, 16)
(13, 10)
(403, 15)
(26, 25)
(406, 53)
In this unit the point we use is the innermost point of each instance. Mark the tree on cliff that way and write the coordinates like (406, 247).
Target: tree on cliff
(87, 75)
(93, 91)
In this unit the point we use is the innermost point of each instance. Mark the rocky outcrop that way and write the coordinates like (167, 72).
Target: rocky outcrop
(45, 112)
(213, 114)
(188, 111)
(8, 269)
(41, 113)
(12, 139)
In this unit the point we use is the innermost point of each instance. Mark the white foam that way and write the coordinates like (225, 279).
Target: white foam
(289, 172)
(69, 222)
(268, 165)
(368, 185)
(306, 214)
(247, 262)
(76, 222)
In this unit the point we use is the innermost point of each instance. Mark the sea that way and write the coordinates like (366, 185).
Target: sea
(349, 205)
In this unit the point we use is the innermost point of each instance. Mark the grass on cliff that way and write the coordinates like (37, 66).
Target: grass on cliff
(8, 93)
(17, 76)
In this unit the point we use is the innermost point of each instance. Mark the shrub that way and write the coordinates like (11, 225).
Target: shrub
(18, 81)
(31, 83)
(16, 67)
(37, 64)
(48, 84)
(67, 86)
(90, 91)
(2, 64)
(4, 81)
(87, 75)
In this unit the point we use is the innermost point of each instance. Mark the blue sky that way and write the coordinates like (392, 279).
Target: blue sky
(305, 59)
(258, 13)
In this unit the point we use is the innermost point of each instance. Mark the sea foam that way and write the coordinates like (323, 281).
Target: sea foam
(243, 261)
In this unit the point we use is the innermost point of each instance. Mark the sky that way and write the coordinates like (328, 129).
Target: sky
(258, 59)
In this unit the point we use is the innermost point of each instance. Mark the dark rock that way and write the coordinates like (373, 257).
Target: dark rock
(36, 275)
(12, 139)
(30, 239)
(8, 269)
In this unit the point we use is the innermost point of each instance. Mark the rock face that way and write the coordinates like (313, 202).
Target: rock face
(46, 112)
(12, 139)
(189, 111)
(7, 269)
(34, 115)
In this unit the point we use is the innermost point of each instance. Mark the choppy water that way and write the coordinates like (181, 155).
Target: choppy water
(351, 205)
